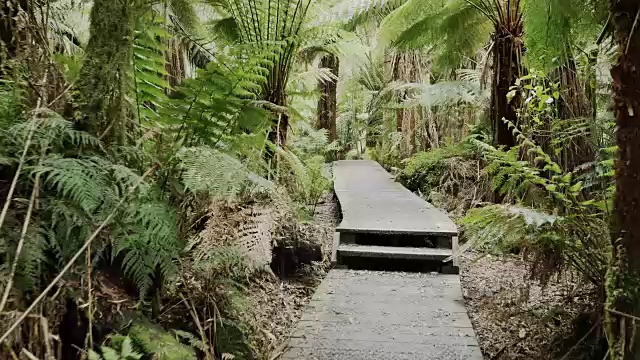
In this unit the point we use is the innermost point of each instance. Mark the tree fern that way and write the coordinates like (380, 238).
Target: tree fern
(443, 25)
(218, 105)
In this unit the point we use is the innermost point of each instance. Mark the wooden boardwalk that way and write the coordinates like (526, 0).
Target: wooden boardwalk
(380, 315)
(371, 202)
(367, 315)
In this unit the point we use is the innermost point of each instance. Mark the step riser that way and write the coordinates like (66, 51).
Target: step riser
(436, 258)
(395, 264)
(408, 240)
(394, 258)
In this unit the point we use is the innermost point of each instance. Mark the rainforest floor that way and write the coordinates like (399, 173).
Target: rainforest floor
(515, 317)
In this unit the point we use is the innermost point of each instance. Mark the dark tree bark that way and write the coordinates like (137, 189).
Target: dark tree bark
(280, 127)
(623, 278)
(102, 86)
(574, 103)
(327, 104)
(507, 55)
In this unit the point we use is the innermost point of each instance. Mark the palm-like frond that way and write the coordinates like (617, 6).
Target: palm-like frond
(447, 93)
(357, 13)
(443, 26)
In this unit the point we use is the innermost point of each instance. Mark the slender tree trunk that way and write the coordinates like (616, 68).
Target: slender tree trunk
(507, 55)
(406, 68)
(106, 70)
(397, 62)
(280, 127)
(623, 278)
(327, 104)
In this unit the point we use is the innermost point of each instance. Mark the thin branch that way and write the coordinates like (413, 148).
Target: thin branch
(633, 29)
(75, 257)
(60, 95)
(582, 339)
(27, 144)
(23, 235)
(622, 314)
(28, 354)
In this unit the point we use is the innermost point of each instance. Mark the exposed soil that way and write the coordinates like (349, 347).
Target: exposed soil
(514, 317)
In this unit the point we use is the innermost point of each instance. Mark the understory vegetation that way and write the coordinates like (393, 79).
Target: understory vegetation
(163, 163)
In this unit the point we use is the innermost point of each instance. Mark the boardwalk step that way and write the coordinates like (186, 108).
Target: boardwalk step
(393, 252)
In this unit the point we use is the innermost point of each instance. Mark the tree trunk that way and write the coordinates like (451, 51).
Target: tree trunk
(106, 69)
(574, 104)
(406, 68)
(623, 278)
(327, 104)
(507, 53)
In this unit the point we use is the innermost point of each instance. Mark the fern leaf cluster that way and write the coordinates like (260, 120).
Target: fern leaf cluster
(217, 174)
(220, 103)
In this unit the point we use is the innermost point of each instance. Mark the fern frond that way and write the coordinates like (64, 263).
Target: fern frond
(149, 62)
(448, 93)
(356, 13)
(216, 174)
(444, 26)
(80, 180)
(147, 236)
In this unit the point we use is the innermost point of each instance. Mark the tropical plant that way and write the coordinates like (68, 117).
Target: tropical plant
(107, 353)
(269, 23)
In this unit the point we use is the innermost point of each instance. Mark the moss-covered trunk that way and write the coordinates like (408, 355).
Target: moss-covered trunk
(327, 104)
(106, 72)
(623, 278)
(507, 55)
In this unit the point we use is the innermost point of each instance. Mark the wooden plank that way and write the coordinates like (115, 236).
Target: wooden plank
(372, 202)
(385, 315)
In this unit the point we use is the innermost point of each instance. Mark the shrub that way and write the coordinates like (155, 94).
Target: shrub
(425, 171)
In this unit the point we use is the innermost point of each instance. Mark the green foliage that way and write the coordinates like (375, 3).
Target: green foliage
(154, 341)
(358, 14)
(424, 171)
(223, 274)
(555, 29)
(147, 236)
(443, 25)
(149, 49)
(557, 219)
(305, 180)
(79, 189)
(387, 151)
(575, 242)
(219, 175)
(218, 108)
(126, 352)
